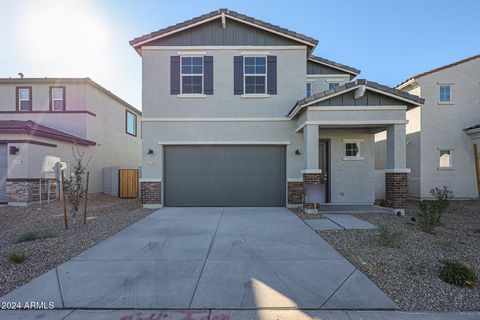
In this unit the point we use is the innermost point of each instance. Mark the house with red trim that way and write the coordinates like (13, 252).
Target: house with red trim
(42, 119)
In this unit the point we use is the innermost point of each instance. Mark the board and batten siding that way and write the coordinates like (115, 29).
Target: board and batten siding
(212, 34)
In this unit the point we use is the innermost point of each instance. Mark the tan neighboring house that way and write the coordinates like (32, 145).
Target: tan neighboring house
(41, 119)
(443, 134)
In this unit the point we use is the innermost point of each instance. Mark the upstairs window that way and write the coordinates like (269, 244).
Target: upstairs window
(131, 124)
(309, 89)
(445, 93)
(57, 98)
(333, 85)
(255, 75)
(192, 75)
(24, 98)
(445, 160)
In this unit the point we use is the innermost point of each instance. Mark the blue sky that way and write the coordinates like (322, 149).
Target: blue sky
(388, 40)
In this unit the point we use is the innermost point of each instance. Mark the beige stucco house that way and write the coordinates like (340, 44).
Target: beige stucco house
(41, 119)
(239, 112)
(443, 134)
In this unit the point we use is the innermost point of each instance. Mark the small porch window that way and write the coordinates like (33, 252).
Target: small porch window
(445, 159)
(353, 149)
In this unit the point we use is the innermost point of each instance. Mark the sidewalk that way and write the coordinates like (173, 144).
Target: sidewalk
(231, 315)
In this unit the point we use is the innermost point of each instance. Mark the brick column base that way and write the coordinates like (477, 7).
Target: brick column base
(396, 190)
(295, 192)
(151, 193)
(23, 191)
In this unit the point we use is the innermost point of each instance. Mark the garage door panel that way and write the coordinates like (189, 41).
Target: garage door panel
(225, 176)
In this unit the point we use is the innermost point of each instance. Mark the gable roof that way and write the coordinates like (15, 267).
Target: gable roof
(335, 65)
(32, 128)
(220, 13)
(70, 81)
(400, 95)
(438, 69)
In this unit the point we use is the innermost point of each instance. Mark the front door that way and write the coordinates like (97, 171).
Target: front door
(324, 165)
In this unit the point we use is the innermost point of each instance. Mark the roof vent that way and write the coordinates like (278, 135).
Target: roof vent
(21, 75)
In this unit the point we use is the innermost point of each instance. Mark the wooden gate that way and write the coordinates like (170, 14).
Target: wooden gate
(128, 183)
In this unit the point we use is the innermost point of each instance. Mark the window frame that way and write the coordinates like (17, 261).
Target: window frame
(245, 75)
(202, 75)
(18, 104)
(450, 86)
(309, 84)
(332, 83)
(127, 112)
(359, 143)
(64, 91)
(450, 164)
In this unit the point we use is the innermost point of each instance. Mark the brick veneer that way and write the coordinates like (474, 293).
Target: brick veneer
(28, 190)
(396, 189)
(295, 192)
(151, 192)
(311, 178)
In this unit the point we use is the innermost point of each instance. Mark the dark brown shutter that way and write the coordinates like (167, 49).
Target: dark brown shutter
(175, 75)
(208, 75)
(238, 75)
(272, 74)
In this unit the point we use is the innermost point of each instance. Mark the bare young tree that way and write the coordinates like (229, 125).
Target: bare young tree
(75, 186)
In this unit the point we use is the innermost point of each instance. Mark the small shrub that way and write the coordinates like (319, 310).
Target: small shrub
(429, 215)
(442, 198)
(35, 235)
(388, 237)
(456, 273)
(447, 245)
(381, 202)
(17, 257)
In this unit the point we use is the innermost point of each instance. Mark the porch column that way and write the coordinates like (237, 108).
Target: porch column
(310, 147)
(396, 179)
(311, 172)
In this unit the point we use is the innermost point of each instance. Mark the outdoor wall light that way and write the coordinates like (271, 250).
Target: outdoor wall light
(297, 152)
(13, 150)
(150, 152)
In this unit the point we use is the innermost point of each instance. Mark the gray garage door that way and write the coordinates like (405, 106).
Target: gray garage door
(225, 176)
(3, 173)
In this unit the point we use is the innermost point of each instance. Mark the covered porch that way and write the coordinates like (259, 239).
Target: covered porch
(338, 128)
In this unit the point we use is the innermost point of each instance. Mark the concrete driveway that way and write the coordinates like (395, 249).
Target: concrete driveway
(209, 258)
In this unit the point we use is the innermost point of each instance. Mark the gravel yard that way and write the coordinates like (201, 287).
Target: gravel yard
(112, 215)
(408, 273)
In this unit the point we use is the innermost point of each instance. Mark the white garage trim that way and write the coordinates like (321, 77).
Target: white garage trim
(223, 142)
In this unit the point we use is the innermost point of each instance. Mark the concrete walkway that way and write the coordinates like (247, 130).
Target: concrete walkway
(206, 258)
(263, 314)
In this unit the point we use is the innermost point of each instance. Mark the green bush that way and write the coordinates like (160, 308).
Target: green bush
(430, 213)
(17, 257)
(456, 273)
(35, 235)
(443, 197)
(389, 237)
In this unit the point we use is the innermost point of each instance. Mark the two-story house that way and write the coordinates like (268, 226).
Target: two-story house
(443, 134)
(238, 112)
(41, 119)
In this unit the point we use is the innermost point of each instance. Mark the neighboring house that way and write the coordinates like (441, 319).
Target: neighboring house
(442, 135)
(40, 121)
(227, 121)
